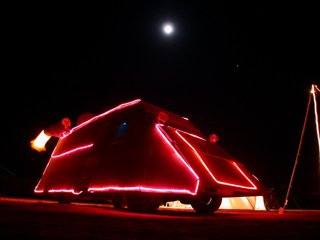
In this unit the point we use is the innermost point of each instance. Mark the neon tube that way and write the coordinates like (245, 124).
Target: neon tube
(142, 189)
(145, 189)
(121, 106)
(176, 152)
(244, 175)
(65, 191)
(212, 176)
(153, 189)
(38, 191)
(73, 150)
(316, 114)
(193, 135)
(63, 154)
(105, 189)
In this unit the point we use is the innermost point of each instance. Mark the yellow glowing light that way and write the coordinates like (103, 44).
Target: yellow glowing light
(39, 143)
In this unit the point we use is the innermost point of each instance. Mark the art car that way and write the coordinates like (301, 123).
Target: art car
(139, 155)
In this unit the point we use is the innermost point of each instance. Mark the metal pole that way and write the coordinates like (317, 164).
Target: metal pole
(281, 210)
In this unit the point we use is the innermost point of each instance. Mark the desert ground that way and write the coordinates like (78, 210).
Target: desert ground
(42, 219)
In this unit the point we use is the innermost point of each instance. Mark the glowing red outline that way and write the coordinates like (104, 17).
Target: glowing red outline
(38, 191)
(213, 177)
(193, 135)
(65, 191)
(179, 155)
(142, 189)
(121, 106)
(151, 189)
(61, 190)
(104, 189)
(73, 150)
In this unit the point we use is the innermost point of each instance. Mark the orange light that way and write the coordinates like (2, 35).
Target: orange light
(39, 143)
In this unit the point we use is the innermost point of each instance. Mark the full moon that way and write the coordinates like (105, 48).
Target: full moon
(167, 28)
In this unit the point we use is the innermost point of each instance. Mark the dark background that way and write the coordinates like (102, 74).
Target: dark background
(242, 72)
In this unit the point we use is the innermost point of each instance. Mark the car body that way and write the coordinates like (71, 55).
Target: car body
(141, 155)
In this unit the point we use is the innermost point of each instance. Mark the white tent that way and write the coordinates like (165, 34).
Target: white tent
(255, 203)
(249, 203)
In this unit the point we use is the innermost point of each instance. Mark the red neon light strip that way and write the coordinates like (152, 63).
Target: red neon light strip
(145, 189)
(121, 106)
(65, 191)
(41, 191)
(193, 135)
(158, 126)
(152, 189)
(104, 189)
(38, 191)
(213, 177)
(73, 150)
(142, 189)
(245, 175)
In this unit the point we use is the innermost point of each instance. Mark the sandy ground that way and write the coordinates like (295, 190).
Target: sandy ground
(38, 219)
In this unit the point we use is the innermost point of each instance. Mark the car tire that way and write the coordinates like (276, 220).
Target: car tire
(205, 204)
(65, 198)
(118, 201)
(142, 201)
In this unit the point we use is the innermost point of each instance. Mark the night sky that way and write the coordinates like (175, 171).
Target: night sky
(241, 72)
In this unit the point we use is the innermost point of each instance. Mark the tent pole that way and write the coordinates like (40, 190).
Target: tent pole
(281, 210)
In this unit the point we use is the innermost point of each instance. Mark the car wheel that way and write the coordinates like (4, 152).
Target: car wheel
(118, 201)
(142, 201)
(206, 204)
(64, 198)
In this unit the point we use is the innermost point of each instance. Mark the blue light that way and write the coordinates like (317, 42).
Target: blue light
(122, 129)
